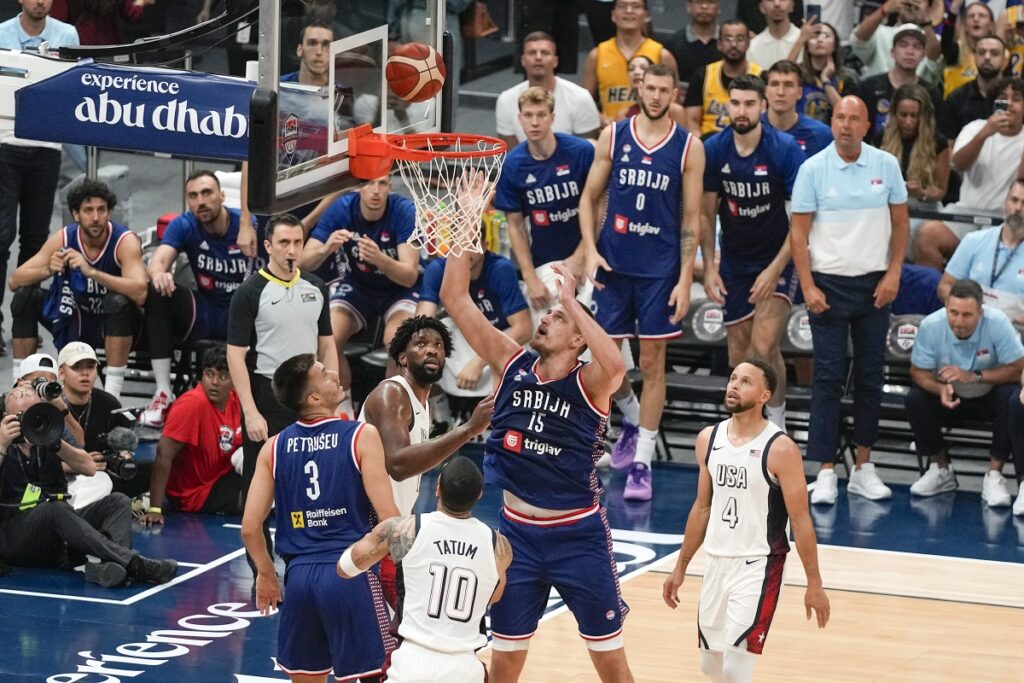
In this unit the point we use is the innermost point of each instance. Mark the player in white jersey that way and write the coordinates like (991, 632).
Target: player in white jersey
(751, 484)
(451, 567)
(399, 409)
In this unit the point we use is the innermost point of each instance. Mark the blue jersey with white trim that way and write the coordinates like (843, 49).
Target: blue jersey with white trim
(320, 502)
(218, 264)
(752, 192)
(88, 292)
(641, 231)
(547, 193)
(547, 435)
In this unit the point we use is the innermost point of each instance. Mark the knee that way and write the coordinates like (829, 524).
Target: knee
(738, 667)
(119, 501)
(764, 347)
(711, 666)
(21, 302)
(115, 304)
(652, 361)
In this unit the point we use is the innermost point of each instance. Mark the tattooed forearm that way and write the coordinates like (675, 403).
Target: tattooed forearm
(686, 243)
(401, 535)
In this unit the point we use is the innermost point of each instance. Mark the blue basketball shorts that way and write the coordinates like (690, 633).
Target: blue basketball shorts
(635, 306)
(739, 279)
(576, 559)
(328, 622)
(367, 304)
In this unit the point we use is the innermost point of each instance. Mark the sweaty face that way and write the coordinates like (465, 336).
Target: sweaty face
(746, 389)
(425, 356)
(656, 95)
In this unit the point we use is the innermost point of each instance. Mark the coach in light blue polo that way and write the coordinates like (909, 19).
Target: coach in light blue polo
(849, 233)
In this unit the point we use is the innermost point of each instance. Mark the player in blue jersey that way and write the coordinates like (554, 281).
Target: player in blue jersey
(208, 235)
(748, 178)
(361, 242)
(99, 283)
(539, 191)
(782, 90)
(325, 477)
(642, 260)
(550, 411)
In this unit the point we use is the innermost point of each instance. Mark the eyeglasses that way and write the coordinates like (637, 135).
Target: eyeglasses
(634, 6)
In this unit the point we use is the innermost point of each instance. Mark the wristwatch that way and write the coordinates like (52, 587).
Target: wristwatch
(977, 376)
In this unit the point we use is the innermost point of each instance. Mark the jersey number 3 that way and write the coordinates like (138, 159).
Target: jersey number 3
(453, 591)
(313, 472)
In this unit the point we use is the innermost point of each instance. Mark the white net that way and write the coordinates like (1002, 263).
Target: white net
(451, 191)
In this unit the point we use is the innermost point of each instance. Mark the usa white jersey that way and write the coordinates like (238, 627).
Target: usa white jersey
(748, 514)
(408, 490)
(445, 582)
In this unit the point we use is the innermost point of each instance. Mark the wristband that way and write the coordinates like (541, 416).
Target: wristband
(155, 509)
(347, 566)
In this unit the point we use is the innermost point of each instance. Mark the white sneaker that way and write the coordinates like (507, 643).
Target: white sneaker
(865, 482)
(994, 491)
(604, 462)
(153, 416)
(1018, 505)
(935, 481)
(826, 488)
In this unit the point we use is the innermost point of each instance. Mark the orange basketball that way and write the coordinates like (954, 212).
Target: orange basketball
(415, 72)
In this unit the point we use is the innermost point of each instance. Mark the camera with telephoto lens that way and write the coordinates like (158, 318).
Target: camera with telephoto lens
(112, 445)
(41, 425)
(47, 390)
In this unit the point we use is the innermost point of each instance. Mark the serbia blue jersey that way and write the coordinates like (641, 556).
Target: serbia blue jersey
(321, 505)
(547, 193)
(752, 193)
(90, 299)
(546, 435)
(394, 227)
(218, 264)
(496, 292)
(812, 135)
(641, 230)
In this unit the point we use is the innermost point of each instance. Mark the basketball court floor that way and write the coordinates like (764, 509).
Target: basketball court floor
(925, 591)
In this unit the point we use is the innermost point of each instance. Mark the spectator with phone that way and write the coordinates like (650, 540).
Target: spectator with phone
(971, 101)
(825, 79)
(873, 39)
(988, 154)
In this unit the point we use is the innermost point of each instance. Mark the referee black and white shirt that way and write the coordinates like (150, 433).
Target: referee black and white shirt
(278, 319)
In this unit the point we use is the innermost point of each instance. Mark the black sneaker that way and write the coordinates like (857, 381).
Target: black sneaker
(106, 574)
(152, 571)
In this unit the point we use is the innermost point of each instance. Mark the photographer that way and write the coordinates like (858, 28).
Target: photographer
(96, 412)
(41, 368)
(195, 468)
(37, 520)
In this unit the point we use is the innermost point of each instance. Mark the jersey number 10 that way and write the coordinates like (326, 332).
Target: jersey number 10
(453, 592)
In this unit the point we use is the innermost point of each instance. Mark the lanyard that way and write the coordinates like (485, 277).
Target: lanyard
(996, 274)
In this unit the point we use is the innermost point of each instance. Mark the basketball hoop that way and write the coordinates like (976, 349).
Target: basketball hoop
(450, 177)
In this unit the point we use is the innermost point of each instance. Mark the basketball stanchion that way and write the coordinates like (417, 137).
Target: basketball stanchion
(449, 175)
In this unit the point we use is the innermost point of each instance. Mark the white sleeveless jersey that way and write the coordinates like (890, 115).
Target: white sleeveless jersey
(445, 583)
(407, 491)
(748, 514)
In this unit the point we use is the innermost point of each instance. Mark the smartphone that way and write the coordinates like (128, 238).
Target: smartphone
(1000, 105)
(812, 11)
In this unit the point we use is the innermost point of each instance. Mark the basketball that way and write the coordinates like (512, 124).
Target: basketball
(415, 72)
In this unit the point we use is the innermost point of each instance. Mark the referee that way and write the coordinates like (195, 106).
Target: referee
(277, 313)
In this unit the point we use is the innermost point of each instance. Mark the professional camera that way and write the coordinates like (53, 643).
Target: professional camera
(41, 425)
(112, 444)
(48, 390)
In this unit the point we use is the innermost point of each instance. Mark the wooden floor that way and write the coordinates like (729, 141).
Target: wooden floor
(896, 618)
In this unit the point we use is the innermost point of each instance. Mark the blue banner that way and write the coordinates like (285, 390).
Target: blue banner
(139, 109)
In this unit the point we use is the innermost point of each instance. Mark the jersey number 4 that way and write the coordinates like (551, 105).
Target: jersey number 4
(729, 515)
(453, 592)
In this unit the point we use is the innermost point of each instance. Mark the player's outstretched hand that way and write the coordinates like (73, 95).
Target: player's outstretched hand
(670, 589)
(268, 592)
(481, 416)
(816, 600)
(566, 285)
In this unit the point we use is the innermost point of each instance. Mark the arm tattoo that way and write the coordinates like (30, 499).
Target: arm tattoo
(686, 241)
(401, 533)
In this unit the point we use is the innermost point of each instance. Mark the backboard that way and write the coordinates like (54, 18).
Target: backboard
(321, 72)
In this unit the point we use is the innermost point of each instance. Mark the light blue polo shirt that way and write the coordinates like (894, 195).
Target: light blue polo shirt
(981, 255)
(56, 33)
(994, 342)
(852, 226)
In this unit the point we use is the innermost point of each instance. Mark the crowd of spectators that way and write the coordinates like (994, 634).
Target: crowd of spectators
(926, 106)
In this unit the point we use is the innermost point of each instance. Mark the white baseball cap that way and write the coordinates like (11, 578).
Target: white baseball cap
(37, 362)
(74, 352)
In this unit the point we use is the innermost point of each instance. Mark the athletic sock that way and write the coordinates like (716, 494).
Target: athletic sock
(162, 375)
(645, 445)
(115, 380)
(630, 407)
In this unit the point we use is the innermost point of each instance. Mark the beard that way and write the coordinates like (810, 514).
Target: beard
(988, 71)
(745, 128)
(648, 114)
(1015, 222)
(739, 406)
(422, 375)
